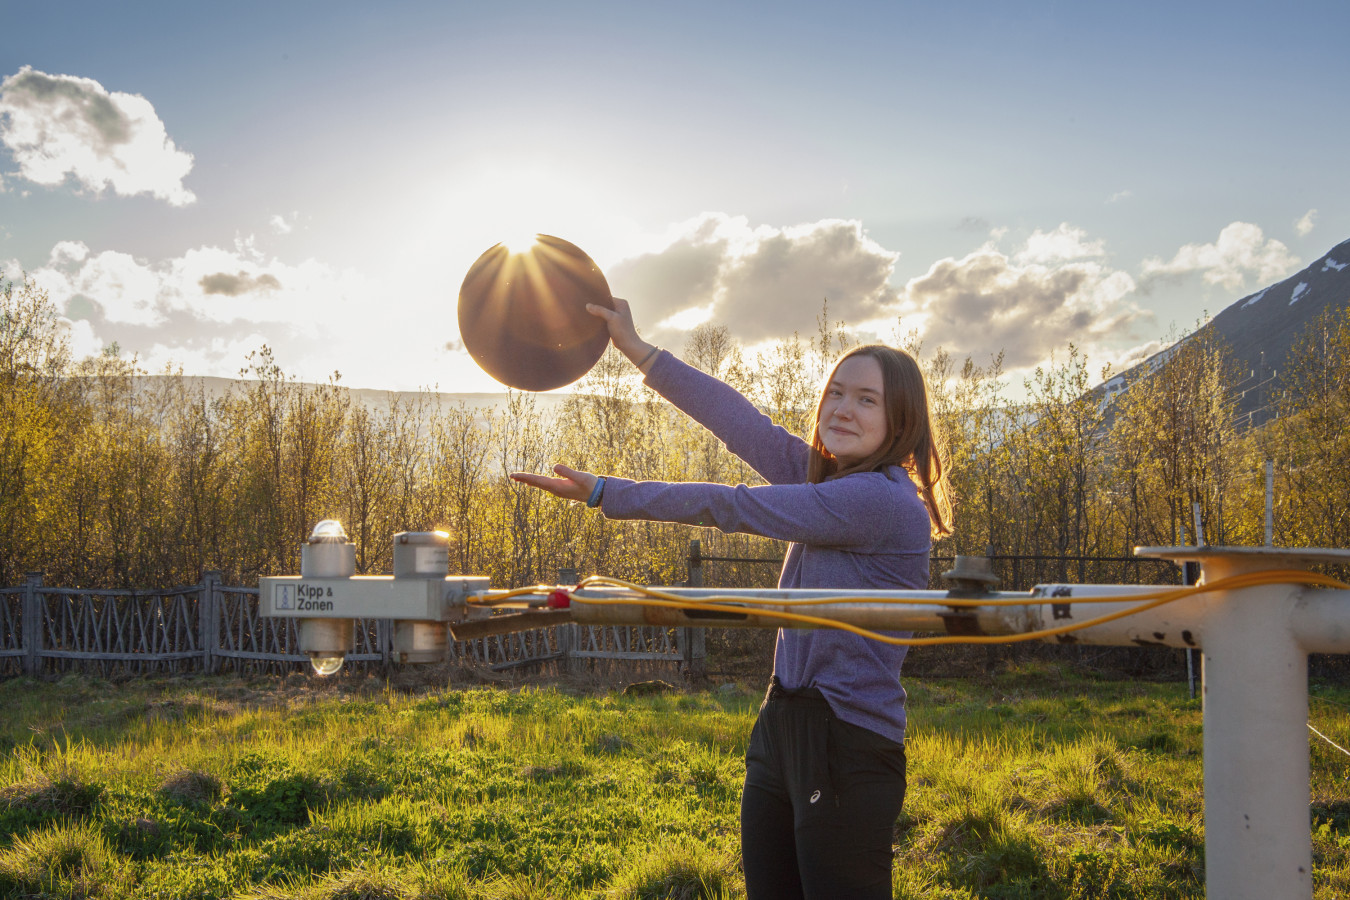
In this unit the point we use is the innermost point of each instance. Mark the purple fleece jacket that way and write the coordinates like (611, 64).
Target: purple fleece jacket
(867, 530)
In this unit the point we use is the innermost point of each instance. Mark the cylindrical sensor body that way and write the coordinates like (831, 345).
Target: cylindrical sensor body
(327, 554)
(421, 554)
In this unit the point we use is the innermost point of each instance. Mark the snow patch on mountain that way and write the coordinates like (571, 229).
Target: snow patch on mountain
(1253, 298)
(1298, 292)
(1328, 264)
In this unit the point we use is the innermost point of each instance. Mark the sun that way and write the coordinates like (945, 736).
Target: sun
(511, 207)
(519, 240)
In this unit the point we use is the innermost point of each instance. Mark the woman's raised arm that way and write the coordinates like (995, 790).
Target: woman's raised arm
(624, 334)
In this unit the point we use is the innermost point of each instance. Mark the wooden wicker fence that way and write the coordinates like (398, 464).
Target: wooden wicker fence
(211, 627)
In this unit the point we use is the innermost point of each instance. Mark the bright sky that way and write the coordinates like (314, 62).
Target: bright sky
(192, 180)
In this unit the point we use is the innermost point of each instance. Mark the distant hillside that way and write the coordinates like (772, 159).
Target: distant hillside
(1262, 327)
(376, 400)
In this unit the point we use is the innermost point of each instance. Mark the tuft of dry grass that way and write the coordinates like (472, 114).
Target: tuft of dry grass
(678, 872)
(66, 796)
(189, 786)
(63, 862)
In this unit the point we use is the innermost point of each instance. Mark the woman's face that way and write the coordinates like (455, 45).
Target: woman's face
(852, 422)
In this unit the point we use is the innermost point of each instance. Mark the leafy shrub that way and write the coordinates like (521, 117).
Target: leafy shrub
(1166, 833)
(271, 796)
(363, 779)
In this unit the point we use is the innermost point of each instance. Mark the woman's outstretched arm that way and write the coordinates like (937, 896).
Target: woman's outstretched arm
(572, 484)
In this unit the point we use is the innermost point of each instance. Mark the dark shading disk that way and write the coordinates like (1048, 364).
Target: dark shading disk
(523, 316)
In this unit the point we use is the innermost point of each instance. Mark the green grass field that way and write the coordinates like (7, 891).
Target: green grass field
(1037, 784)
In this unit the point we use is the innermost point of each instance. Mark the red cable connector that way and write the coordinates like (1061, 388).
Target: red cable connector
(559, 599)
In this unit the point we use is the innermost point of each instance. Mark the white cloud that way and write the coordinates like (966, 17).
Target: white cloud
(68, 254)
(762, 283)
(1241, 251)
(1062, 244)
(1025, 306)
(282, 225)
(60, 126)
(1119, 195)
(1132, 356)
(208, 308)
(127, 291)
(1305, 225)
(82, 340)
(765, 283)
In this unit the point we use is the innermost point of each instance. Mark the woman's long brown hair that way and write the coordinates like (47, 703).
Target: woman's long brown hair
(912, 442)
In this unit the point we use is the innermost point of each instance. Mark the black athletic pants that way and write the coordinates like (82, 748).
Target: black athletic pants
(820, 802)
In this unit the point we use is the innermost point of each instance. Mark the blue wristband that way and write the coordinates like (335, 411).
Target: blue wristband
(596, 491)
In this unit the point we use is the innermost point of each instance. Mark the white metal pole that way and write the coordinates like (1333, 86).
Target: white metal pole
(1258, 842)
(1257, 834)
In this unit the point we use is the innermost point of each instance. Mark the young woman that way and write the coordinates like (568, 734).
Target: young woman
(860, 503)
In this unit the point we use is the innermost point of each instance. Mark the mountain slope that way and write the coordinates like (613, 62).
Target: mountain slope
(1261, 328)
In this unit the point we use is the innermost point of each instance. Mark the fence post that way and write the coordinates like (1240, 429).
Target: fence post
(695, 653)
(206, 620)
(32, 623)
(695, 639)
(991, 652)
(567, 634)
(1190, 574)
(695, 564)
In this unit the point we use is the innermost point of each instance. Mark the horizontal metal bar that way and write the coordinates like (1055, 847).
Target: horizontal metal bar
(109, 592)
(263, 657)
(672, 656)
(517, 663)
(509, 623)
(1133, 560)
(120, 657)
(291, 657)
(933, 615)
(741, 559)
(1320, 621)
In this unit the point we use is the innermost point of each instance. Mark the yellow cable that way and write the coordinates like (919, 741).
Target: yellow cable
(497, 599)
(657, 598)
(1274, 576)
